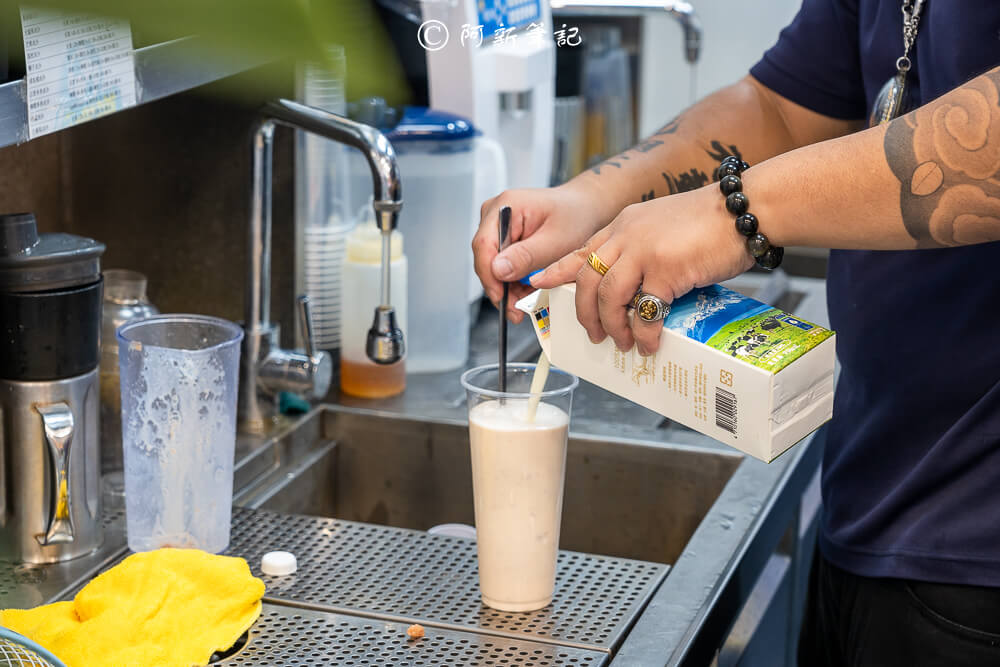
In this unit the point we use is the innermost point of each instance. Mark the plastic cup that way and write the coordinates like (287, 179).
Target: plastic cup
(179, 378)
(518, 467)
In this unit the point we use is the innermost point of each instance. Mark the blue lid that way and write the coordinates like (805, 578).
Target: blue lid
(423, 124)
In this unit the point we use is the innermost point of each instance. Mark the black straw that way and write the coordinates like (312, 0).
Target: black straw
(504, 231)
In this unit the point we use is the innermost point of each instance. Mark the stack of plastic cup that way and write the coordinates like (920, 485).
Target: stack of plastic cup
(321, 190)
(322, 267)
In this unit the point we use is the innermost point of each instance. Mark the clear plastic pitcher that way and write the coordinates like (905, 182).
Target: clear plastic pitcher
(445, 168)
(179, 377)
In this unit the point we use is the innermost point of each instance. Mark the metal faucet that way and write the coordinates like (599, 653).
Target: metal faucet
(682, 12)
(265, 368)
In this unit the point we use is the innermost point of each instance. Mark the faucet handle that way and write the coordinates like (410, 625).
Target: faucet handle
(304, 306)
(322, 362)
(309, 374)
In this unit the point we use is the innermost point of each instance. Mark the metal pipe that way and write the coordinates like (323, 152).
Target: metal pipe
(682, 12)
(258, 288)
(385, 299)
(372, 143)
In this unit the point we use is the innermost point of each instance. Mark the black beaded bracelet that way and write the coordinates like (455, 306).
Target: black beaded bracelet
(727, 174)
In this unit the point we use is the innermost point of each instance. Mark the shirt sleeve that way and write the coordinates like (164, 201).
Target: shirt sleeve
(816, 60)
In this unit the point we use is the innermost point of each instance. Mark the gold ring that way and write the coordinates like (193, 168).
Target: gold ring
(597, 263)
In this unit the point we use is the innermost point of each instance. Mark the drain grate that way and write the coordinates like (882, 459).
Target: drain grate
(409, 575)
(113, 517)
(7, 581)
(300, 637)
(24, 585)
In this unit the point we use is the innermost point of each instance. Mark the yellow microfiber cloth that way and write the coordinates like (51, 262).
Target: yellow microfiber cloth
(158, 608)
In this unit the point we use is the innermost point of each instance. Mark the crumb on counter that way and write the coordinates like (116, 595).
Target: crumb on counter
(415, 631)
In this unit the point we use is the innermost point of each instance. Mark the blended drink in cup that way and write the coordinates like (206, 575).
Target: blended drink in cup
(518, 441)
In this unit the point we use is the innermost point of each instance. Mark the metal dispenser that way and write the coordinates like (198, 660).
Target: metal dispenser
(50, 324)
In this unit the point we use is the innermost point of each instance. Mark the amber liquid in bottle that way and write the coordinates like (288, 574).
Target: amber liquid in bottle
(366, 380)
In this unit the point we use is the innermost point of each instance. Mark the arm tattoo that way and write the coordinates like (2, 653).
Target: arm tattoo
(644, 147)
(946, 156)
(693, 179)
(669, 128)
(718, 152)
(688, 180)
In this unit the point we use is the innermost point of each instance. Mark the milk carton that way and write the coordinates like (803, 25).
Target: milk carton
(731, 367)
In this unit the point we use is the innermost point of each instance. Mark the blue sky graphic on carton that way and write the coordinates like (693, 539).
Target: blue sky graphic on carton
(700, 313)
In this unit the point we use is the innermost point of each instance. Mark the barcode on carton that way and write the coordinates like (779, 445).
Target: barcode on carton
(725, 410)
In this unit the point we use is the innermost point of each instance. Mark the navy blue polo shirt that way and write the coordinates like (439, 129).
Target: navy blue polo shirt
(911, 473)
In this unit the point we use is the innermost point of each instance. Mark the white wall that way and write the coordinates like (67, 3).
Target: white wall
(734, 35)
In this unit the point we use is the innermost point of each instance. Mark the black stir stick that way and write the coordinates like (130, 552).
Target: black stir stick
(504, 231)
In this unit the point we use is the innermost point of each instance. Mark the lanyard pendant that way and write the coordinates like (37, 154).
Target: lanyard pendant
(894, 99)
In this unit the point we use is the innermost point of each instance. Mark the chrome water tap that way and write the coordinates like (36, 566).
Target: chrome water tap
(265, 368)
(684, 13)
(681, 11)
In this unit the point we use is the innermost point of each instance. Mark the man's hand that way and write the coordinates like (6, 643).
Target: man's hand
(545, 224)
(669, 246)
(923, 180)
(744, 119)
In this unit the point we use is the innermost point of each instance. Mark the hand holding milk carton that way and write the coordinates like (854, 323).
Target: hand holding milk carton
(731, 367)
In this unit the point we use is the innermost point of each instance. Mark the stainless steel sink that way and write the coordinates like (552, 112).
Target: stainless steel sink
(622, 498)
(719, 519)
(736, 533)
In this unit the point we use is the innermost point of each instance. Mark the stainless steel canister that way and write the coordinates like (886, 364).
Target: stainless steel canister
(51, 508)
(50, 318)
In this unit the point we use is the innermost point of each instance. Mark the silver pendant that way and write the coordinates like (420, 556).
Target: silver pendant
(892, 101)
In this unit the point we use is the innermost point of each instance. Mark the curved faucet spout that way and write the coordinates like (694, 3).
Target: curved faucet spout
(682, 11)
(372, 143)
(265, 367)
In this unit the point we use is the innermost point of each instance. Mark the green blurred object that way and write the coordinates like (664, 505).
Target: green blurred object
(292, 404)
(287, 30)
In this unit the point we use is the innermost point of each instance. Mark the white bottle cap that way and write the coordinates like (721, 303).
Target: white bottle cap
(454, 530)
(278, 563)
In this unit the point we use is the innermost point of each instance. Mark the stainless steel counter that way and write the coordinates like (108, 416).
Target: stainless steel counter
(758, 522)
(734, 532)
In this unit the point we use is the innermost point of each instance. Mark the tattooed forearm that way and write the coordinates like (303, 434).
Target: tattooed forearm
(685, 181)
(946, 156)
(693, 178)
(644, 147)
(718, 152)
(669, 128)
(611, 162)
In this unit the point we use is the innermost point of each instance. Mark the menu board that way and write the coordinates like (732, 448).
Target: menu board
(78, 67)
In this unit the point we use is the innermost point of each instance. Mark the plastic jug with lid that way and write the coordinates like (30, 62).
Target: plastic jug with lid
(447, 170)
